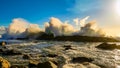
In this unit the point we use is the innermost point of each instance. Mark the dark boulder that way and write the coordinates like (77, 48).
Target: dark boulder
(81, 60)
(67, 47)
(52, 55)
(106, 46)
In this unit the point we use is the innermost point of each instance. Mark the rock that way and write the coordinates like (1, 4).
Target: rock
(26, 56)
(67, 47)
(3, 43)
(33, 63)
(4, 63)
(81, 60)
(47, 64)
(52, 55)
(106, 46)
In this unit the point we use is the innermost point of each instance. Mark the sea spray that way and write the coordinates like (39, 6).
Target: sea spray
(20, 28)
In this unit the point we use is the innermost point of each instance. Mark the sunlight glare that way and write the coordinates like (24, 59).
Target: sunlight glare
(118, 7)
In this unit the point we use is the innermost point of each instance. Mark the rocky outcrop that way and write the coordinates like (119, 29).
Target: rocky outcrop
(4, 63)
(77, 38)
(106, 46)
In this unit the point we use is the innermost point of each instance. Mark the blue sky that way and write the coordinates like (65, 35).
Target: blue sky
(40, 11)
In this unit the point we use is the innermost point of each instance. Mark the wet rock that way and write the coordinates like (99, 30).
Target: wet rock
(11, 52)
(47, 64)
(4, 63)
(52, 55)
(67, 47)
(61, 60)
(81, 60)
(33, 64)
(106, 46)
(26, 56)
(55, 62)
(3, 43)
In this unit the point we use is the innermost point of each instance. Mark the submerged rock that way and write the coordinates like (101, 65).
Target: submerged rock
(4, 63)
(47, 64)
(107, 46)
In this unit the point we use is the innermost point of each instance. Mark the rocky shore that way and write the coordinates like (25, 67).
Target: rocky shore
(56, 55)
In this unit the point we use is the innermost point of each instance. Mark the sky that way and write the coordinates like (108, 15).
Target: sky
(39, 11)
(105, 12)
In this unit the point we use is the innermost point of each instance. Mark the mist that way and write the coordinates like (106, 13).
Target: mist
(58, 28)
(20, 28)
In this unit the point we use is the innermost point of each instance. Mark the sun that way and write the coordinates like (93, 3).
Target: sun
(117, 6)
